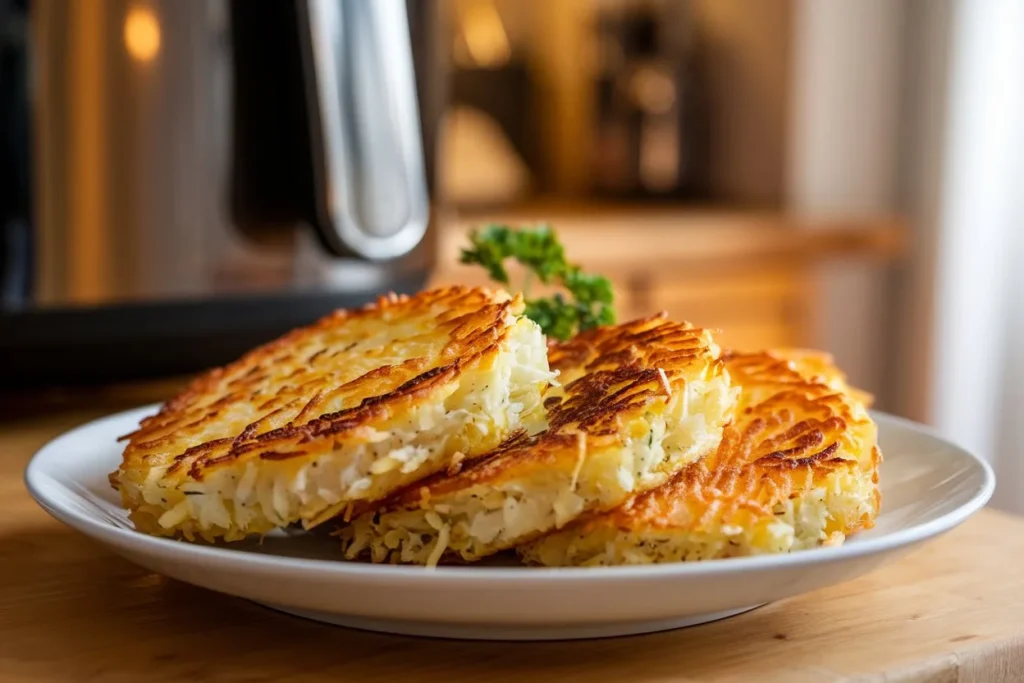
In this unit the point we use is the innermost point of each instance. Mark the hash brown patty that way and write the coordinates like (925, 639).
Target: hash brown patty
(634, 402)
(798, 468)
(353, 407)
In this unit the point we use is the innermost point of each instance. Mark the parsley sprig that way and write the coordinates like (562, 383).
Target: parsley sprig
(540, 252)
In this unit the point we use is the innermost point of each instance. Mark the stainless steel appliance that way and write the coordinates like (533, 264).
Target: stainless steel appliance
(200, 176)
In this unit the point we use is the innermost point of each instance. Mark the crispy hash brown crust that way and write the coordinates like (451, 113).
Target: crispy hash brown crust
(312, 392)
(290, 382)
(654, 341)
(613, 371)
(617, 424)
(787, 431)
(798, 427)
(803, 366)
(621, 386)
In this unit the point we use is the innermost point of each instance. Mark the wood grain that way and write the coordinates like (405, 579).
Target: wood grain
(72, 611)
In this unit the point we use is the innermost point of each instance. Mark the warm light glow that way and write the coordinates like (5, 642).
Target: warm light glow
(142, 34)
(653, 90)
(483, 37)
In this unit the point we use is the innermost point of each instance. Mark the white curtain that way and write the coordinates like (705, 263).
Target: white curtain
(977, 367)
(919, 105)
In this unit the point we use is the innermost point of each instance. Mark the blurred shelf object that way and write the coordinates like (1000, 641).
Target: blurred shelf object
(493, 105)
(650, 112)
(749, 273)
(637, 100)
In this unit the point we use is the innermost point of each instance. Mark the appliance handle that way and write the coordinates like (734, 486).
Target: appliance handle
(370, 180)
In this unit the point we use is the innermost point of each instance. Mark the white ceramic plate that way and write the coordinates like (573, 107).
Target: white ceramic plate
(928, 487)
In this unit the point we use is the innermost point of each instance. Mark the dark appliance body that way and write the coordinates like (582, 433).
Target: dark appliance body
(194, 178)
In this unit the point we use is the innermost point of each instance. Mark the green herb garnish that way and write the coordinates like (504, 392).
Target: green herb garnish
(538, 249)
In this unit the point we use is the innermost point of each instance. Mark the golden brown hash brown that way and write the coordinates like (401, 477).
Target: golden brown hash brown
(654, 341)
(641, 399)
(798, 467)
(810, 365)
(354, 406)
(608, 372)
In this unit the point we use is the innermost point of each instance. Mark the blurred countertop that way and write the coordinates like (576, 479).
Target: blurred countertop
(687, 235)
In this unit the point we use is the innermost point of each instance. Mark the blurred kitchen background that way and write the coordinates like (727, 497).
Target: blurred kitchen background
(841, 174)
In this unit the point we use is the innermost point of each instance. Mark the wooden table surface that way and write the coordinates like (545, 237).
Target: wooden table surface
(72, 611)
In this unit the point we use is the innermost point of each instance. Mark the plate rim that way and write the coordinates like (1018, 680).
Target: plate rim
(135, 541)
